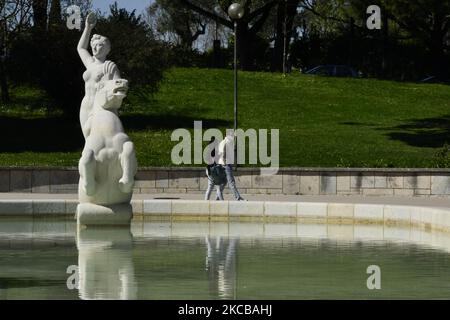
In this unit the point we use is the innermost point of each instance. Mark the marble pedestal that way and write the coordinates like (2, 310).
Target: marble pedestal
(89, 214)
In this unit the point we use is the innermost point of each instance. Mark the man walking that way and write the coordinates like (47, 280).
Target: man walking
(228, 144)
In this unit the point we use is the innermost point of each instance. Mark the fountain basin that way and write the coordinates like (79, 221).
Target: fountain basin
(436, 218)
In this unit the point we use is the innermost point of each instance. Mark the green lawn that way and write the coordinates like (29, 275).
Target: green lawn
(323, 122)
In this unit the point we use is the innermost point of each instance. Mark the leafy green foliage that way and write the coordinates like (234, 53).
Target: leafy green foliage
(442, 157)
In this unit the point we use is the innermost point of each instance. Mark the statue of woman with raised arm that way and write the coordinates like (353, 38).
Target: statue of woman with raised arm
(98, 69)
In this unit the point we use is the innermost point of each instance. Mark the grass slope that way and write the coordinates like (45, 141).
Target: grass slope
(323, 122)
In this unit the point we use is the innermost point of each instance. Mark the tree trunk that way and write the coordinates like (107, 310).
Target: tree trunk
(385, 61)
(54, 18)
(40, 14)
(244, 41)
(4, 83)
(437, 39)
(286, 12)
(39, 36)
(3, 80)
(278, 50)
(438, 63)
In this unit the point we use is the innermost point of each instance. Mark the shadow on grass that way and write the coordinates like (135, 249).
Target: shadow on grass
(40, 135)
(61, 134)
(422, 133)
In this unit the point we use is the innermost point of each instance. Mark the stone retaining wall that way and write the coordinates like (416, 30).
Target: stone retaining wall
(290, 181)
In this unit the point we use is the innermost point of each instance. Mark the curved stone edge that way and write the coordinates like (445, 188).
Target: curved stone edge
(35, 208)
(320, 212)
(89, 214)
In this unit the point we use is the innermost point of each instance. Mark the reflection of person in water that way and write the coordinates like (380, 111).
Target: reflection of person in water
(221, 266)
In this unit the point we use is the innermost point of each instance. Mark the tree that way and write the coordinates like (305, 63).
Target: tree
(40, 16)
(139, 56)
(286, 12)
(84, 5)
(55, 65)
(413, 40)
(54, 17)
(176, 23)
(257, 12)
(251, 28)
(427, 22)
(327, 29)
(62, 76)
(14, 17)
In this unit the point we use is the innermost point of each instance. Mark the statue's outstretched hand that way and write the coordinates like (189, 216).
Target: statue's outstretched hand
(91, 20)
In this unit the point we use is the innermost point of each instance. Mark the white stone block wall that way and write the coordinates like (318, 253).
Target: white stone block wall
(290, 181)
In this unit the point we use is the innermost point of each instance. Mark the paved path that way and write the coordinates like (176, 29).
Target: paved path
(429, 202)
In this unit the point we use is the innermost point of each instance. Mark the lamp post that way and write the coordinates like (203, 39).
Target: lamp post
(216, 43)
(285, 37)
(236, 11)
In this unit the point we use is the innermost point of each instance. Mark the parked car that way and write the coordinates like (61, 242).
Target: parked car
(333, 70)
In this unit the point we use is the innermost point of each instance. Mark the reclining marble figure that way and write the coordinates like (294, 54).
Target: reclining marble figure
(108, 163)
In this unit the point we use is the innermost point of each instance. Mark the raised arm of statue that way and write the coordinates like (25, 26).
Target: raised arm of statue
(83, 44)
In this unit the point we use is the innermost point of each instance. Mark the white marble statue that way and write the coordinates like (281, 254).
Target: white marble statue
(108, 163)
(97, 67)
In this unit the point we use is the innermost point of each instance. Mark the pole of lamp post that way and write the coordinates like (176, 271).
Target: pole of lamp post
(235, 94)
(285, 37)
(235, 11)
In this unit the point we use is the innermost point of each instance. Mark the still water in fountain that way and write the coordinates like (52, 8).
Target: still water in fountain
(49, 259)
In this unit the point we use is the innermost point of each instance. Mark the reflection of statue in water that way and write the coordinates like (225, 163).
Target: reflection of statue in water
(108, 163)
(105, 261)
(221, 266)
(97, 67)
